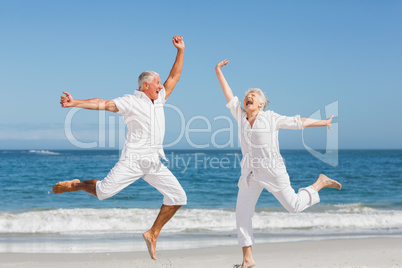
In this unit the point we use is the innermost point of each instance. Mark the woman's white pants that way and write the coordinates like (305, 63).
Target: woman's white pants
(247, 199)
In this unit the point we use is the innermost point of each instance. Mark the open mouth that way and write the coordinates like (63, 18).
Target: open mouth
(249, 102)
(157, 92)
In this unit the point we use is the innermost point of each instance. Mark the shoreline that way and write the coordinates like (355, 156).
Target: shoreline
(126, 243)
(353, 252)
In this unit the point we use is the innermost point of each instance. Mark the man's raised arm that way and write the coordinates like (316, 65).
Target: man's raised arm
(91, 104)
(175, 73)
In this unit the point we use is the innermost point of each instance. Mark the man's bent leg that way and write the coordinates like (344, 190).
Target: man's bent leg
(151, 236)
(173, 198)
(88, 186)
(118, 178)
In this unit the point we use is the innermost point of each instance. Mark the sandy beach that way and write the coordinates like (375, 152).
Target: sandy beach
(363, 252)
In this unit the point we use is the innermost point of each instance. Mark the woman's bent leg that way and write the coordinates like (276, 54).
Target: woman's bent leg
(295, 203)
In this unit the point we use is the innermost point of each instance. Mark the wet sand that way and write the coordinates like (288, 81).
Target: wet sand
(364, 252)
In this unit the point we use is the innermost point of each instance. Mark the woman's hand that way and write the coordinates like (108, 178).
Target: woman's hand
(221, 64)
(329, 122)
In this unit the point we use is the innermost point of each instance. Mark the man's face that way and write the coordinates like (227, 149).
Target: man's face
(251, 102)
(152, 89)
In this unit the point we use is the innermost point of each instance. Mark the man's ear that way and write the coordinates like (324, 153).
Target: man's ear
(145, 85)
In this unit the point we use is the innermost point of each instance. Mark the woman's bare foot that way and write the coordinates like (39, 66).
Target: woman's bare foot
(323, 182)
(65, 186)
(248, 260)
(151, 244)
(247, 264)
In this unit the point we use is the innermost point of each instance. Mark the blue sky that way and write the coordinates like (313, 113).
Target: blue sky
(305, 55)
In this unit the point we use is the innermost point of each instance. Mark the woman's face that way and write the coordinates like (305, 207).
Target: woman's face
(252, 102)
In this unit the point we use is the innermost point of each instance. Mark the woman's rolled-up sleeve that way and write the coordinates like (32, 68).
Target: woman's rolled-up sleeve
(288, 122)
(235, 108)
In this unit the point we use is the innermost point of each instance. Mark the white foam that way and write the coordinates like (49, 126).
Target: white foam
(342, 219)
(43, 152)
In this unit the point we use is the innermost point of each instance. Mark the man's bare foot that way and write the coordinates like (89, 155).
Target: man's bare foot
(65, 186)
(323, 182)
(151, 244)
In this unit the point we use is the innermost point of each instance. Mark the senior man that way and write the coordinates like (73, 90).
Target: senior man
(144, 115)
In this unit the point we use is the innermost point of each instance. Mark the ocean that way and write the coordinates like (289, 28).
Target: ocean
(32, 219)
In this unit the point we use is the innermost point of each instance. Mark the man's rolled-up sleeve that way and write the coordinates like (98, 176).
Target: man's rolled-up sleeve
(123, 104)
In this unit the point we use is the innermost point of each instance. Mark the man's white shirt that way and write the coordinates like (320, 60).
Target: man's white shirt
(145, 124)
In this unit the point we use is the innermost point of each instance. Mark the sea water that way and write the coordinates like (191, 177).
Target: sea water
(32, 219)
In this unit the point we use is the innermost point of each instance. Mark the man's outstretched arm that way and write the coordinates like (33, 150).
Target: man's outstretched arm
(175, 73)
(91, 104)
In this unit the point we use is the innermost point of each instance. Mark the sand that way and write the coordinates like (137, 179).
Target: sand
(363, 252)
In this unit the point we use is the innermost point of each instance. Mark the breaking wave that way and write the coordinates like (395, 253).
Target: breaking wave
(335, 219)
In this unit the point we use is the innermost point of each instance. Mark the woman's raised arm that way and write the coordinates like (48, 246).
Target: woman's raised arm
(222, 81)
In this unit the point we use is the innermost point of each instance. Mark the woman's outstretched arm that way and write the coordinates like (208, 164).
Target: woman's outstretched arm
(308, 122)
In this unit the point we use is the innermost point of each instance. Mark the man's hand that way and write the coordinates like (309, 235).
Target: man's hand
(221, 64)
(178, 42)
(67, 101)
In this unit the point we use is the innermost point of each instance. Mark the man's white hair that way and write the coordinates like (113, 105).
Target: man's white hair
(146, 76)
(261, 96)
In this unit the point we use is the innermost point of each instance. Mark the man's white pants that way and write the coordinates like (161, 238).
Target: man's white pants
(247, 199)
(126, 172)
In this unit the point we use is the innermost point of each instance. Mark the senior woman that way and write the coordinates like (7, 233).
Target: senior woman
(262, 165)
